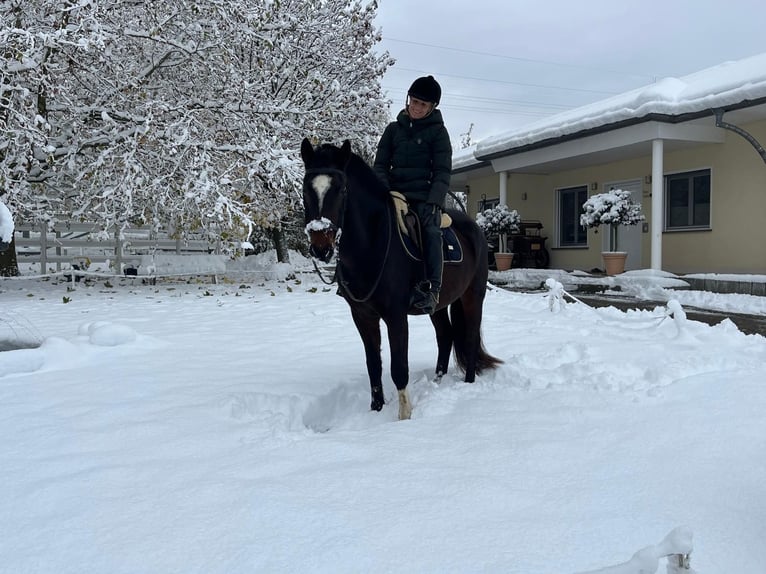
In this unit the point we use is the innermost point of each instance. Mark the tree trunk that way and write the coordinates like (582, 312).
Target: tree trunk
(9, 265)
(613, 237)
(278, 236)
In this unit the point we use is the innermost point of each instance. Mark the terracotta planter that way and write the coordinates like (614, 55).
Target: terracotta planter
(614, 261)
(503, 261)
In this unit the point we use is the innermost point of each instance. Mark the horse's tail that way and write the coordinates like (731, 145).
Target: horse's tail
(460, 336)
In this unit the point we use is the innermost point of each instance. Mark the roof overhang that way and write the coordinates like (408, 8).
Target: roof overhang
(620, 144)
(461, 175)
(625, 140)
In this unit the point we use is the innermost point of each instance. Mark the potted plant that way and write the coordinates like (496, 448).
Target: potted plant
(500, 221)
(613, 208)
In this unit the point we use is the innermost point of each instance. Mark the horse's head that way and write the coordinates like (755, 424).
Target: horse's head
(324, 192)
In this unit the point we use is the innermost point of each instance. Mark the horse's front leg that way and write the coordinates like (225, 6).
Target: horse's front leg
(368, 325)
(398, 340)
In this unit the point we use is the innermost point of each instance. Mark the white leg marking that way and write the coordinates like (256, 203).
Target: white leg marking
(405, 407)
(321, 184)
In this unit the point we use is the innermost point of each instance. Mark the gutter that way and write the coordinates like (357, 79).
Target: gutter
(664, 118)
(472, 167)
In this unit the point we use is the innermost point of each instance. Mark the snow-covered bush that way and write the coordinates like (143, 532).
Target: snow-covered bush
(612, 208)
(500, 221)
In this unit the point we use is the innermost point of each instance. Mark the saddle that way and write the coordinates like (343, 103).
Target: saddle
(408, 226)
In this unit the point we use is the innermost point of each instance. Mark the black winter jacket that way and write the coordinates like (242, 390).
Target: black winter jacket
(415, 157)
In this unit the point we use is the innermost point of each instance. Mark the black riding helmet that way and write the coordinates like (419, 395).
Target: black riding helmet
(427, 89)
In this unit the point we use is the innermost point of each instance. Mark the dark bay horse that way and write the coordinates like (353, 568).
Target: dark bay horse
(349, 209)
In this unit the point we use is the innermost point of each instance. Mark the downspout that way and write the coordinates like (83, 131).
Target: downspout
(719, 123)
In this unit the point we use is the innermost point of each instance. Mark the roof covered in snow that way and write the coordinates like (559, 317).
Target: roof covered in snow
(723, 86)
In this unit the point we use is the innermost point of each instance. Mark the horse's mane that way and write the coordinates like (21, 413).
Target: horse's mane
(366, 176)
(357, 169)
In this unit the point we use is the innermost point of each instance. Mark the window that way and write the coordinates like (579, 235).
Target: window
(485, 203)
(687, 200)
(570, 232)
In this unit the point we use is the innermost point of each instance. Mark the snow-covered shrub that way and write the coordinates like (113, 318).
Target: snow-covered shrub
(500, 221)
(613, 208)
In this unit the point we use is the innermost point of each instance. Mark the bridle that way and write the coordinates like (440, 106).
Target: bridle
(333, 226)
(338, 274)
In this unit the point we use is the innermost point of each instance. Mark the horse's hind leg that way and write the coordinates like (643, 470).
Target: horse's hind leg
(368, 326)
(443, 329)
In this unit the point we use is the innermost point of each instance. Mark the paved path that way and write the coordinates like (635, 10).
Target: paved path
(750, 324)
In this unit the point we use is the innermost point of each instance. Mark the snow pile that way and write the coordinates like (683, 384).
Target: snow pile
(676, 546)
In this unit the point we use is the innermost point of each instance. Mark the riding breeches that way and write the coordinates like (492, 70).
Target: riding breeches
(432, 242)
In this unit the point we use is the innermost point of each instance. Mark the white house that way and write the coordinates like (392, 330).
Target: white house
(691, 149)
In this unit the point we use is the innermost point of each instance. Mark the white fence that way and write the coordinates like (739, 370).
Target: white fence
(71, 243)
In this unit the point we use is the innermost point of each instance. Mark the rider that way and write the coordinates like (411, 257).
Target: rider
(414, 157)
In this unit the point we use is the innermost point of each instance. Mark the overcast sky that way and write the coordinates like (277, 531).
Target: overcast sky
(506, 63)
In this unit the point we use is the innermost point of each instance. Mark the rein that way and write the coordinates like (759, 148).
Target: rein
(344, 284)
(321, 277)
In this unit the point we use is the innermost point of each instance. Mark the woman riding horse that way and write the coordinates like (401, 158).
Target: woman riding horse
(414, 157)
(348, 209)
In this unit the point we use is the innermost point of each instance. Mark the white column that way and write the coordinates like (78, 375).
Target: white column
(657, 203)
(503, 187)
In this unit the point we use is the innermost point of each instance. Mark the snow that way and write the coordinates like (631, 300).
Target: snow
(614, 207)
(172, 264)
(717, 87)
(644, 284)
(6, 224)
(190, 427)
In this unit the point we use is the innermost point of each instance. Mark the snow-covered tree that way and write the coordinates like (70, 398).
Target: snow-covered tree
(613, 208)
(186, 113)
(500, 221)
(466, 139)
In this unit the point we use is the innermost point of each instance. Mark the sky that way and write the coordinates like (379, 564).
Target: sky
(199, 428)
(502, 64)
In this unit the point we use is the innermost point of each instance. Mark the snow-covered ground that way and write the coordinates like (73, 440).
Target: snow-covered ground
(644, 285)
(182, 428)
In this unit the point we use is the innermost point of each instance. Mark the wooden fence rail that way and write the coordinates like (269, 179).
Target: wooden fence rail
(70, 243)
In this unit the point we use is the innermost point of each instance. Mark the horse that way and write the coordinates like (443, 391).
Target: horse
(349, 209)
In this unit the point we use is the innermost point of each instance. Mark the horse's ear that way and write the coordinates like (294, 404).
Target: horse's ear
(345, 152)
(307, 151)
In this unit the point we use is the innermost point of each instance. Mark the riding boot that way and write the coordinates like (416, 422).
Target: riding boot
(426, 294)
(424, 298)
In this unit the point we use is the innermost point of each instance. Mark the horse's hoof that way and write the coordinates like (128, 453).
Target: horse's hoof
(376, 405)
